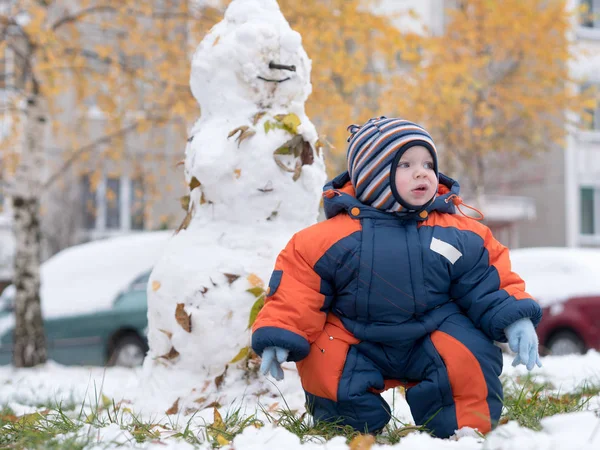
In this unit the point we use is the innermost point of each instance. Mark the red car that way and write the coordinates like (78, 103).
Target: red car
(566, 282)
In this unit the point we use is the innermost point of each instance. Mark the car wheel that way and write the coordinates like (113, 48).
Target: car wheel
(565, 343)
(129, 351)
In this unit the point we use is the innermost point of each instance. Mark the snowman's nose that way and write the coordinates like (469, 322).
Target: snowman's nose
(274, 65)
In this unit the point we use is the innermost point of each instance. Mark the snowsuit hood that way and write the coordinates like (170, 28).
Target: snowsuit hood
(339, 196)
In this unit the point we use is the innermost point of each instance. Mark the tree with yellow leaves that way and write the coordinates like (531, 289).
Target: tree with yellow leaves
(125, 61)
(495, 81)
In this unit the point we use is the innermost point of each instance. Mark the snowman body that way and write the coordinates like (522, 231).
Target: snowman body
(255, 175)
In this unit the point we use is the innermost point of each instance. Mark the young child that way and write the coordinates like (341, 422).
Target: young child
(395, 289)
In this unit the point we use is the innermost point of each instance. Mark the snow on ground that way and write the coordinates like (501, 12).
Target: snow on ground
(150, 394)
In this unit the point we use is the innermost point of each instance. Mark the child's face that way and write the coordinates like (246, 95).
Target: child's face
(415, 176)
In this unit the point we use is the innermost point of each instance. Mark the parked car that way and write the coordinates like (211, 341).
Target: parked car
(93, 299)
(566, 283)
(113, 336)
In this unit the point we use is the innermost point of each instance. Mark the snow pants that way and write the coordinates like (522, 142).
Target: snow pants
(451, 376)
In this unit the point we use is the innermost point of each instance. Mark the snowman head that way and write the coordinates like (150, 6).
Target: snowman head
(251, 59)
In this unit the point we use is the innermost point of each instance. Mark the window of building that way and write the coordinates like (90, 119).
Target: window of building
(137, 204)
(113, 203)
(590, 210)
(590, 17)
(112, 199)
(89, 203)
(591, 120)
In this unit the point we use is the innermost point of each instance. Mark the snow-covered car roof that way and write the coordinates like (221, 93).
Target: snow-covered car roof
(88, 277)
(555, 274)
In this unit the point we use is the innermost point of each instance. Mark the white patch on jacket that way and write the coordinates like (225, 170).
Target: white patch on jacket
(446, 250)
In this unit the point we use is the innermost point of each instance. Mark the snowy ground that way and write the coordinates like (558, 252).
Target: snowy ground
(27, 390)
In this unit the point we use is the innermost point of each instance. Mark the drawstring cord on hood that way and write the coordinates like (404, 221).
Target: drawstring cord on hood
(457, 201)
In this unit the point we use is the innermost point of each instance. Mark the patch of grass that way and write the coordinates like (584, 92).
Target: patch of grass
(528, 401)
(40, 430)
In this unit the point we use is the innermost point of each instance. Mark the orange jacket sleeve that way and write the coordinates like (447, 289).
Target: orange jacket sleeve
(301, 289)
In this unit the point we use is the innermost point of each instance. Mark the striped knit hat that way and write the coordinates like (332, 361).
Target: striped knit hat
(372, 151)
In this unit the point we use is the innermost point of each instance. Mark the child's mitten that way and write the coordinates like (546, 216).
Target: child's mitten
(523, 340)
(272, 357)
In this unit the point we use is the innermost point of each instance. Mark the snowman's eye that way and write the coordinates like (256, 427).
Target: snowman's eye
(273, 65)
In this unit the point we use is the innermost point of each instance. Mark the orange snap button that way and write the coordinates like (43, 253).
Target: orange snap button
(355, 211)
(423, 214)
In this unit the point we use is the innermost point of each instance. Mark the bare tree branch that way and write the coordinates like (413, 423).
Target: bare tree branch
(81, 14)
(80, 151)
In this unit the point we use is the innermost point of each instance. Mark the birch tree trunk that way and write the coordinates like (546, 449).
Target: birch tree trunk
(29, 338)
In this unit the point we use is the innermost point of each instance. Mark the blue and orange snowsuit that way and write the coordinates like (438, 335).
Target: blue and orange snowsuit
(369, 300)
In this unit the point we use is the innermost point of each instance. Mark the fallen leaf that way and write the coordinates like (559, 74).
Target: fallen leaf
(242, 137)
(185, 202)
(8, 418)
(155, 285)
(297, 171)
(171, 355)
(214, 404)
(222, 440)
(183, 318)
(244, 133)
(256, 307)
(189, 411)
(362, 442)
(33, 418)
(194, 183)
(257, 117)
(106, 401)
(206, 385)
(306, 154)
(168, 333)
(221, 378)
(237, 173)
(237, 130)
(200, 400)
(203, 290)
(174, 409)
(283, 150)
(256, 291)
(255, 280)
(282, 165)
(290, 121)
(231, 277)
(218, 423)
(243, 353)
(186, 220)
(217, 427)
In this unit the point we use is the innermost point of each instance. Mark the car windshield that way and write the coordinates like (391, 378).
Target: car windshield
(140, 283)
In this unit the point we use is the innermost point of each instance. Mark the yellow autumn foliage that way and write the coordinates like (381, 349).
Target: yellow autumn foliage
(495, 82)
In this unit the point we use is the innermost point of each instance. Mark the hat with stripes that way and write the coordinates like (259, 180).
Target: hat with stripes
(372, 150)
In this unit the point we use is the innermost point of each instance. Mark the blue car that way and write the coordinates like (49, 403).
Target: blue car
(111, 336)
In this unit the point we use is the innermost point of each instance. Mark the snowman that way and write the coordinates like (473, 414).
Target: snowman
(255, 173)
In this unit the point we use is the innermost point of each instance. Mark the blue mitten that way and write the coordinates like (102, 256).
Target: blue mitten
(272, 357)
(523, 340)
